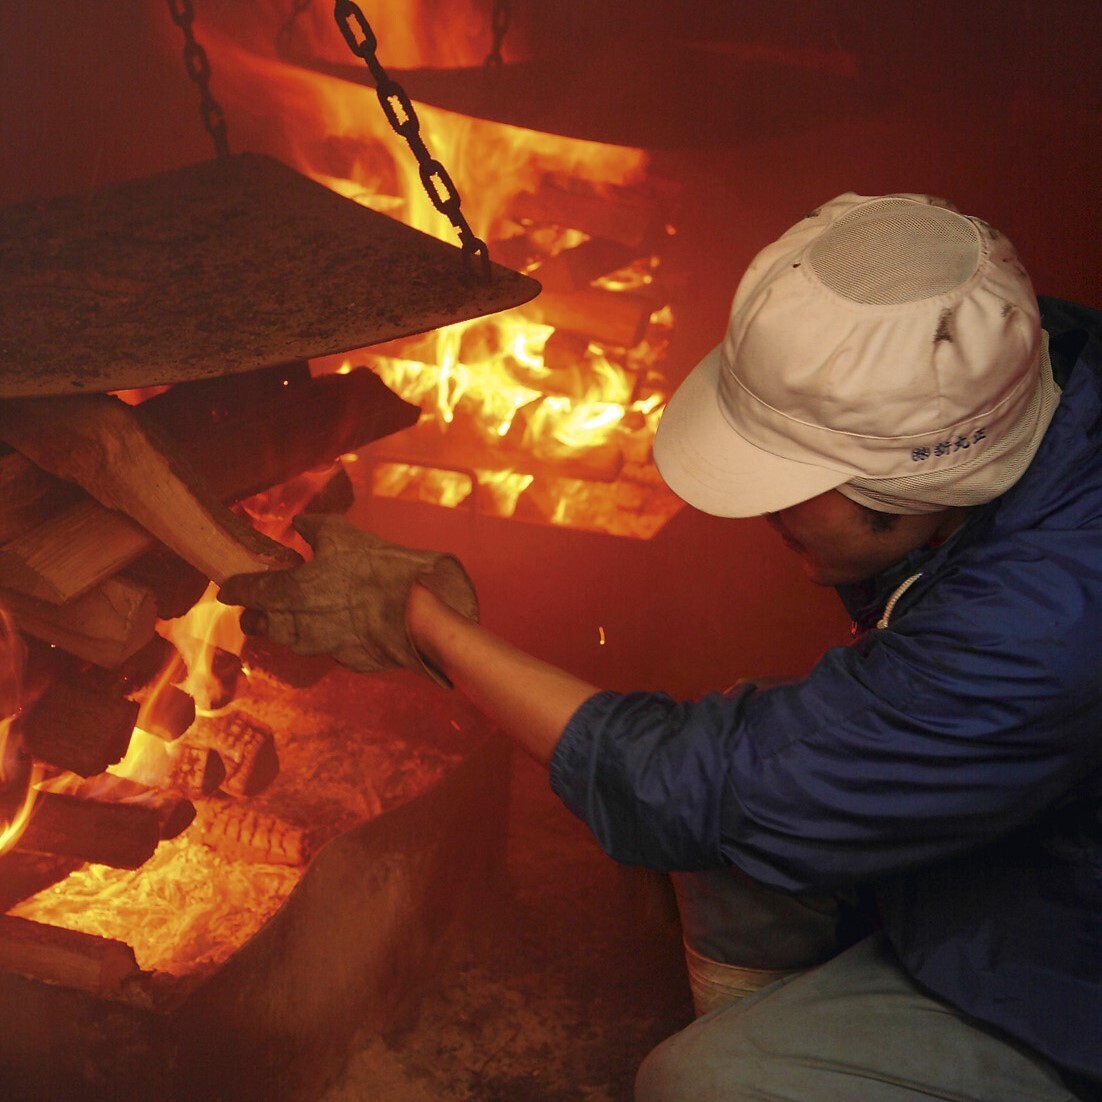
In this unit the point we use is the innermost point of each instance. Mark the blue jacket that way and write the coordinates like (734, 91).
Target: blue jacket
(950, 763)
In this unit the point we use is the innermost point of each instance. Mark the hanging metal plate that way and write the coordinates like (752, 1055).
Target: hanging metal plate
(217, 269)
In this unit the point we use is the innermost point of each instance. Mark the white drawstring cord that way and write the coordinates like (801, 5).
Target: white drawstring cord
(894, 598)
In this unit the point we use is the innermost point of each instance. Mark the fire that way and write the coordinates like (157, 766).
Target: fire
(17, 781)
(558, 405)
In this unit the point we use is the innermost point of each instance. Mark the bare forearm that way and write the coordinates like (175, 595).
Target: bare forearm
(529, 699)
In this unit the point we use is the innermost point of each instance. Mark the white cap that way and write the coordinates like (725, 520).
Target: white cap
(880, 337)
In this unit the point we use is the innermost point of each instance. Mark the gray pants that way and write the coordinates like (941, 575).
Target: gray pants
(853, 1029)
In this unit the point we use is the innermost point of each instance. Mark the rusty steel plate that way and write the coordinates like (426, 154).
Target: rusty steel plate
(217, 269)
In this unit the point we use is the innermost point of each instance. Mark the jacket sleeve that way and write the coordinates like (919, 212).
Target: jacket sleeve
(976, 710)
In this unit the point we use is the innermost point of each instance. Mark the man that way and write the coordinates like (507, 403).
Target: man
(908, 841)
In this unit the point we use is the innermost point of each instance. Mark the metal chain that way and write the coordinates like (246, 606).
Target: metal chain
(503, 16)
(403, 119)
(198, 68)
(285, 34)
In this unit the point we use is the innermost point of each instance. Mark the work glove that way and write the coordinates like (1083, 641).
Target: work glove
(349, 600)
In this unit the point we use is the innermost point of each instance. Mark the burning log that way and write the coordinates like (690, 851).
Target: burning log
(601, 463)
(107, 625)
(23, 875)
(616, 214)
(174, 813)
(100, 443)
(575, 269)
(606, 317)
(246, 746)
(237, 831)
(197, 771)
(167, 712)
(79, 729)
(83, 961)
(123, 836)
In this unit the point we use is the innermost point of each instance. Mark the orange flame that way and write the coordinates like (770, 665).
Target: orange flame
(11, 685)
(488, 379)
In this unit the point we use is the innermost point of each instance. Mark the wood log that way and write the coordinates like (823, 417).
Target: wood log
(575, 269)
(601, 463)
(106, 625)
(25, 874)
(175, 813)
(123, 836)
(176, 585)
(79, 728)
(167, 712)
(611, 318)
(28, 495)
(102, 444)
(198, 771)
(294, 429)
(72, 552)
(218, 398)
(617, 214)
(100, 966)
(247, 747)
(239, 832)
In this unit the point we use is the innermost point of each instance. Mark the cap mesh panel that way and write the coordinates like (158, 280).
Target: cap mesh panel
(896, 251)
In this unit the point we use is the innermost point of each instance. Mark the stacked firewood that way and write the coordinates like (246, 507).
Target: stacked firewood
(595, 251)
(115, 516)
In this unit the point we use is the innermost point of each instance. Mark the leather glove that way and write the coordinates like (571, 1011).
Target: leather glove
(349, 600)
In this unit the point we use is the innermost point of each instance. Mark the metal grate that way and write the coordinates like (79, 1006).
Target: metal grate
(216, 269)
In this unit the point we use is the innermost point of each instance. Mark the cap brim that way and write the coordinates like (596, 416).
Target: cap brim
(715, 469)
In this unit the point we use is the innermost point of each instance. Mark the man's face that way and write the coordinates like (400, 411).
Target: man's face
(839, 545)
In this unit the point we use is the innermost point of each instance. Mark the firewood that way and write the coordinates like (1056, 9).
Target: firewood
(71, 552)
(145, 665)
(176, 585)
(106, 625)
(237, 831)
(295, 429)
(254, 447)
(28, 495)
(102, 444)
(217, 398)
(175, 813)
(123, 836)
(67, 957)
(167, 712)
(601, 463)
(612, 318)
(25, 874)
(620, 215)
(576, 268)
(248, 748)
(78, 728)
(197, 771)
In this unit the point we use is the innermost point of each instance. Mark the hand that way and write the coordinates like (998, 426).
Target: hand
(349, 600)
